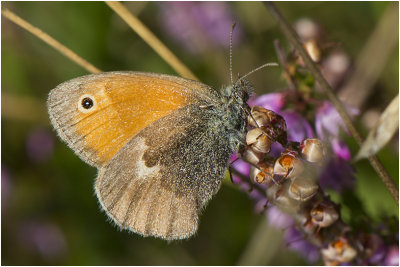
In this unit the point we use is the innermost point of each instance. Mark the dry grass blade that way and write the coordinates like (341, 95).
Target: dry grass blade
(380, 135)
(151, 40)
(49, 40)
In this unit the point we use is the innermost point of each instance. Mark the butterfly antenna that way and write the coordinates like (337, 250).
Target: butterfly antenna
(247, 110)
(271, 64)
(230, 51)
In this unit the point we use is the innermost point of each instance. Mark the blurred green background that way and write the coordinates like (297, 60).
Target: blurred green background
(50, 215)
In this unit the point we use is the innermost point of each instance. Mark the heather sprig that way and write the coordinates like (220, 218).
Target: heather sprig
(296, 152)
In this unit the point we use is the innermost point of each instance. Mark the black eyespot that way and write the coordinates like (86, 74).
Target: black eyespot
(87, 103)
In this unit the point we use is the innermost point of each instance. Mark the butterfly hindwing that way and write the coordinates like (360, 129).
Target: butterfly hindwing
(159, 181)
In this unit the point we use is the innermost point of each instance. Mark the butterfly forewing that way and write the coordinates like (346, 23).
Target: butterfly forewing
(123, 103)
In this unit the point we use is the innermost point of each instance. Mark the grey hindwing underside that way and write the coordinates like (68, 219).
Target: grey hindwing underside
(157, 184)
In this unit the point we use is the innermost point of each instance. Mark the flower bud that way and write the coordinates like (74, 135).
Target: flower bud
(259, 117)
(263, 144)
(312, 150)
(263, 174)
(324, 214)
(253, 135)
(278, 195)
(313, 50)
(302, 188)
(338, 251)
(303, 221)
(259, 142)
(271, 123)
(249, 155)
(288, 165)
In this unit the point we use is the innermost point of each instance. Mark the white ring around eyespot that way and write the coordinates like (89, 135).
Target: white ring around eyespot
(84, 110)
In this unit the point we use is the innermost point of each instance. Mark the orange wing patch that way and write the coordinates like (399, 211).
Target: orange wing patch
(124, 105)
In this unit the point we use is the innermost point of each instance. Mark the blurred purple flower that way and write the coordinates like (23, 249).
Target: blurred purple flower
(243, 168)
(379, 251)
(261, 205)
(278, 218)
(295, 241)
(328, 121)
(298, 127)
(373, 249)
(240, 166)
(40, 145)
(272, 101)
(43, 237)
(340, 149)
(199, 26)
(392, 256)
(338, 174)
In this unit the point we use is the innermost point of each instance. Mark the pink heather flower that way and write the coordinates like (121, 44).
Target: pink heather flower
(278, 218)
(392, 256)
(271, 101)
(340, 149)
(328, 121)
(379, 253)
(242, 167)
(199, 26)
(298, 127)
(296, 242)
(338, 174)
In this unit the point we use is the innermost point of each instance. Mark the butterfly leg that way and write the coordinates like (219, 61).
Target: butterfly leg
(236, 139)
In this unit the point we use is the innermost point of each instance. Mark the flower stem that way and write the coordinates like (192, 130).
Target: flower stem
(294, 40)
(151, 40)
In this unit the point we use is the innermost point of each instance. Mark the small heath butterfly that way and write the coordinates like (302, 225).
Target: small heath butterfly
(161, 144)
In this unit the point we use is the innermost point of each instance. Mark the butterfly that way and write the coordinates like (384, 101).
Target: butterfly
(161, 144)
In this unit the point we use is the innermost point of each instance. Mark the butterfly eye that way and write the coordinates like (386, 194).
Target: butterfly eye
(87, 103)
